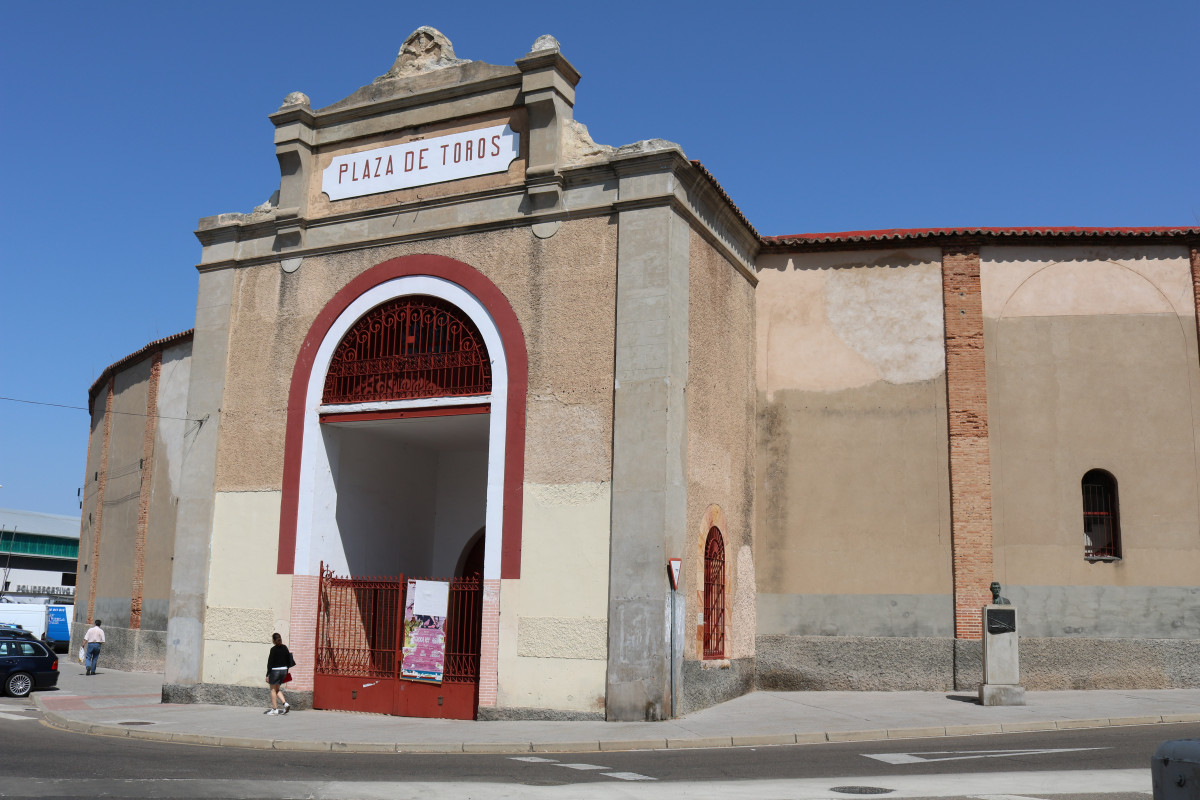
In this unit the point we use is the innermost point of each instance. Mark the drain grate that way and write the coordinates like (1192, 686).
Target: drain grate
(135, 723)
(861, 790)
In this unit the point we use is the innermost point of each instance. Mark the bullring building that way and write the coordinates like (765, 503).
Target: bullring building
(638, 456)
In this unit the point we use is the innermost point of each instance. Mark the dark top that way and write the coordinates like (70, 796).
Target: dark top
(280, 657)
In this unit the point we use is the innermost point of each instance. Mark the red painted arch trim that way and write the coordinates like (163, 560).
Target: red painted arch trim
(516, 356)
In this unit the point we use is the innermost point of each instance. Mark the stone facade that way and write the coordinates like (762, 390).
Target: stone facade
(878, 425)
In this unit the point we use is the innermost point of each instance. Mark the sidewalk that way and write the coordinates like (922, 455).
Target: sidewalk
(128, 704)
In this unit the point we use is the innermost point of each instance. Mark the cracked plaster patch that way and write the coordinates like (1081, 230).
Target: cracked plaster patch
(892, 317)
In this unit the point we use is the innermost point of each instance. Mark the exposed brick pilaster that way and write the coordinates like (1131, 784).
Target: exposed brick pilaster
(102, 483)
(302, 636)
(149, 429)
(489, 649)
(970, 465)
(1196, 284)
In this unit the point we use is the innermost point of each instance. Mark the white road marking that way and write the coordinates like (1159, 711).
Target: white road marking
(1004, 797)
(535, 759)
(1027, 784)
(582, 766)
(966, 755)
(628, 776)
(13, 716)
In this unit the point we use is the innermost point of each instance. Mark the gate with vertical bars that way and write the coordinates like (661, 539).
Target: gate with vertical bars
(360, 633)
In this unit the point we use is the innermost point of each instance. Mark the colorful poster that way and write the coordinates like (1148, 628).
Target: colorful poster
(423, 654)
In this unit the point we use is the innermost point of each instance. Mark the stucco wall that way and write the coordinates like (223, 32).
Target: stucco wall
(720, 449)
(560, 288)
(131, 473)
(554, 620)
(88, 512)
(247, 601)
(1092, 363)
(169, 434)
(562, 291)
(114, 582)
(720, 462)
(853, 530)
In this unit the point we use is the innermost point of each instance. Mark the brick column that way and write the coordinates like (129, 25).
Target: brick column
(149, 429)
(489, 646)
(1196, 284)
(970, 465)
(102, 483)
(302, 630)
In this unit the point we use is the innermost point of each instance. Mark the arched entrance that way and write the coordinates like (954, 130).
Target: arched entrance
(401, 450)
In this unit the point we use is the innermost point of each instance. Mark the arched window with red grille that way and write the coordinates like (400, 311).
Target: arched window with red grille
(714, 595)
(1101, 516)
(409, 348)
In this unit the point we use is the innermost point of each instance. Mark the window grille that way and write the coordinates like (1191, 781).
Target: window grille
(714, 595)
(409, 348)
(1101, 517)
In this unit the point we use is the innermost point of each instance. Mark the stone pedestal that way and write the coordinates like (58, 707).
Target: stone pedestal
(1001, 666)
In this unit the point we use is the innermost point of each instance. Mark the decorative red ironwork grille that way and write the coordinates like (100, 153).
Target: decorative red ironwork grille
(360, 623)
(714, 595)
(407, 348)
(1101, 522)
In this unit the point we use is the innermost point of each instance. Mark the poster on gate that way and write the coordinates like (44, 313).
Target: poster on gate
(423, 654)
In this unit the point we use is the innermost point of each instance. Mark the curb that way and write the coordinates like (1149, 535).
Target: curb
(57, 720)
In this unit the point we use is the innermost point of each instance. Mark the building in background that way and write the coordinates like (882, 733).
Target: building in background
(657, 459)
(38, 555)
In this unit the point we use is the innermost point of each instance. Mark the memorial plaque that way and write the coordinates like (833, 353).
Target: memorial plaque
(1001, 620)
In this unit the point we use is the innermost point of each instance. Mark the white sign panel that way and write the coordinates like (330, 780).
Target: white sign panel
(443, 158)
(430, 598)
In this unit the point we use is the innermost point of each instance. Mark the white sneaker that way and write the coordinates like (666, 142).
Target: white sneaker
(287, 707)
(274, 712)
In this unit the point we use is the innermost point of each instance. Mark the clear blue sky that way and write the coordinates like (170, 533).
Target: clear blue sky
(124, 123)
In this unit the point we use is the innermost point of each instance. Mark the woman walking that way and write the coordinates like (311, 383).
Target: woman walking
(278, 663)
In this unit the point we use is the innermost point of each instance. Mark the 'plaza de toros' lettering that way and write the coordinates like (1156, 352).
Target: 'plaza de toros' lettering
(443, 158)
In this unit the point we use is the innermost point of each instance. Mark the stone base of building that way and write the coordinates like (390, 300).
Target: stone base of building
(707, 683)
(883, 664)
(495, 714)
(124, 648)
(855, 663)
(223, 694)
(996, 694)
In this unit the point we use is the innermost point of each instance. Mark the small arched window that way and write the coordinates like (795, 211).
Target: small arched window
(714, 595)
(1101, 516)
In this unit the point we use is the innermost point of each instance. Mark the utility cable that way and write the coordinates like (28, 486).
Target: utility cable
(84, 408)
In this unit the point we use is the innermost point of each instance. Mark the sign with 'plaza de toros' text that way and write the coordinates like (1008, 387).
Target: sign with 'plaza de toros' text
(482, 151)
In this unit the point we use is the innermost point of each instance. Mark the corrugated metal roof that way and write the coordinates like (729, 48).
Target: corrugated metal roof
(36, 522)
(158, 344)
(897, 234)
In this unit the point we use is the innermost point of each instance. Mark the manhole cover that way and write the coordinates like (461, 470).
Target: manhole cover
(861, 790)
(135, 723)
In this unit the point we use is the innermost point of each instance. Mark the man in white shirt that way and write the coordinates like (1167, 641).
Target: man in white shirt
(94, 638)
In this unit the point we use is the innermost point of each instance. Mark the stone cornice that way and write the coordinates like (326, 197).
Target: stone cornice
(649, 179)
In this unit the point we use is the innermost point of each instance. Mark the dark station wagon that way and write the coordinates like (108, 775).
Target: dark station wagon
(25, 664)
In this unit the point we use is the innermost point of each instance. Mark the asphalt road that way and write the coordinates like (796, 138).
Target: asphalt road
(36, 761)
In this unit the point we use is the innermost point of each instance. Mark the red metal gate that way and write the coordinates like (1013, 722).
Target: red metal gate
(360, 625)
